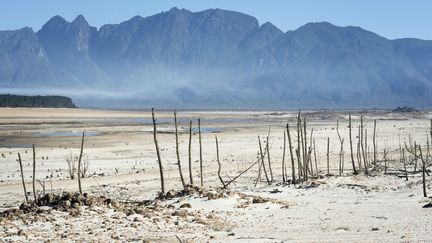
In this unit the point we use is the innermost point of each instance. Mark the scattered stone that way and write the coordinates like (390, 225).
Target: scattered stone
(180, 213)
(186, 205)
(171, 194)
(428, 205)
(276, 190)
(23, 232)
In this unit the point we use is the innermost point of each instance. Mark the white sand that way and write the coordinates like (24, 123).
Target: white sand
(342, 208)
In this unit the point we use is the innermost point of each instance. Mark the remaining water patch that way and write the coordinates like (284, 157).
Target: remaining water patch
(64, 134)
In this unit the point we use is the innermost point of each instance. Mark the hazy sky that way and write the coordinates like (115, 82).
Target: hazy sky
(389, 18)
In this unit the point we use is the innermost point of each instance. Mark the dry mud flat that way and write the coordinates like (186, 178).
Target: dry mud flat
(124, 183)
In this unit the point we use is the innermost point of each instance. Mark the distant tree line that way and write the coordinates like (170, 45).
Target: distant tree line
(49, 101)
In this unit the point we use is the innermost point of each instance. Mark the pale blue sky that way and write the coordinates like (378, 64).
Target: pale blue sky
(389, 18)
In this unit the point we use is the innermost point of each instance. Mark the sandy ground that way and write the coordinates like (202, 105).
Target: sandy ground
(123, 166)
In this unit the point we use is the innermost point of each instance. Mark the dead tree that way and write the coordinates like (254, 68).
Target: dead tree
(366, 148)
(158, 153)
(298, 150)
(244, 171)
(200, 152)
(415, 157)
(359, 156)
(305, 150)
(363, 146)
(328, 156)
(259, 169)
(423, 172)
(262, 160)
(291, 155)
(310, 154)
(219, 163)
(315, 157)
(341, 152)
(268, 159)
(374, 143)
(34, 172)
(22, 177)
(284, 179)
(190, 155)
(178, 151)
(404, 162)
(79, 164)
(351, 145)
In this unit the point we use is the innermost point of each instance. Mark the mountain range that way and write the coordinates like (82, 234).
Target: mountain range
(215, 59)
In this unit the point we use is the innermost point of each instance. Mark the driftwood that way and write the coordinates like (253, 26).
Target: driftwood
(158, 153)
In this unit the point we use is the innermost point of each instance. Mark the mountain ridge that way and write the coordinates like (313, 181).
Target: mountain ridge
(217, 59)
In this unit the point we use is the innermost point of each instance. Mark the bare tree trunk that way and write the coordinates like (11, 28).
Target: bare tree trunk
(328, 156)
(423, 172)
(200, 152)
(158, 153)
(404, 162)
(291, 155)
(298, 151)
(415, 157)
(22, 177)
(262, 160)
(34, 172)
(341, 148)
(305, 158)
(374, 144)
(79, 164)
(359, 153)
(283, 158)
(315, 157)
(260, 163)
(362, 146)
(366, 148)
(427, 150)
(244, 171)
(190, 153)
(219, 163)
(178, 152)
(269, 161)
(351, 145)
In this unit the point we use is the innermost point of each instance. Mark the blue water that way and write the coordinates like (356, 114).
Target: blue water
(64, 134)
(207, 129)
(148, 121)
